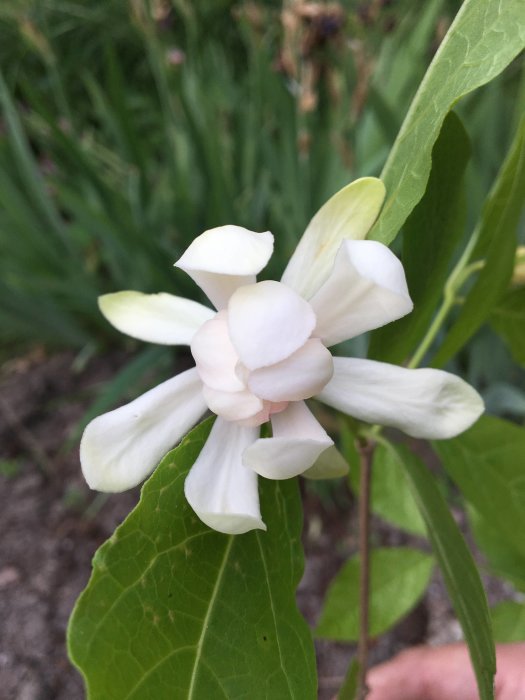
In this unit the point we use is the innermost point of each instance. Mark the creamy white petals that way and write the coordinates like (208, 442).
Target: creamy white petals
(156, 318)
(366, 289)
(219, 488)
(424, 403)
(268, 322)
(233, 405)
(121, 448)
(224, 258)
(298, 377)
(329, 465)
(350, 213)
(215, 355)
(298, 440)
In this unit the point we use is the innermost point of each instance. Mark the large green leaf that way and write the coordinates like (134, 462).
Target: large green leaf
(390, 493)
(502, 557)
(483, 39)
(398, 578)
(459, 570)
(508, 318)
(176, 610)
(486, 462)
(430, 237)
(496, 244)
(508, 619)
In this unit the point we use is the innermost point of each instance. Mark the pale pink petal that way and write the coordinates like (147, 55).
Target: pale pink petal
(215, 356)
(121, 448)
(219, 488)
(300, 376)
(156, 318)
(233, 405)
(366, 289)
(224, 258)
(424, 403)
(350, 213)
(268, 322)
(298, 440)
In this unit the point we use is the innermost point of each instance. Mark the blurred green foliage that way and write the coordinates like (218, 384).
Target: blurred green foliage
(127, 129)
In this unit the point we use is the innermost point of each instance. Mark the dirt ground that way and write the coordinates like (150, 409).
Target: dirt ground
(51, 524)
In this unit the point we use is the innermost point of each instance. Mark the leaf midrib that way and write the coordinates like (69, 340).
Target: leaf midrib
(211, 605)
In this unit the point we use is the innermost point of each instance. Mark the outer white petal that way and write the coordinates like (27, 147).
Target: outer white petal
(424, 403)
(350, 213)
(219, 488)
(156, 318)
(300, 376)
(329, 465)
(224, 258)
(268, 322)
(366, 289)
(121, 448)
(298, 440)
(233, 405)
(215, 355)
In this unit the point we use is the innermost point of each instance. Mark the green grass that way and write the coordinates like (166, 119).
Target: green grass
(113, 158)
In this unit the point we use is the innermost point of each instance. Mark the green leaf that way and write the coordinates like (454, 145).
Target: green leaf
(349, 688)
(483, 39)
(174, 609)
(508, 319)
(508, 620)
(390, 495)
(441, 216)
(459, 570)
(503, 559)
(496, 244)
(398, 578)
(486, 462)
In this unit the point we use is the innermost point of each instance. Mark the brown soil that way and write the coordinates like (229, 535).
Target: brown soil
(51, 524)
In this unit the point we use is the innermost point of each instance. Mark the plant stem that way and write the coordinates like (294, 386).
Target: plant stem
(457, 279)
(366, 451)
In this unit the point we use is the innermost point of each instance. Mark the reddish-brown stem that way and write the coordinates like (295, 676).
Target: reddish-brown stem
(366, 451)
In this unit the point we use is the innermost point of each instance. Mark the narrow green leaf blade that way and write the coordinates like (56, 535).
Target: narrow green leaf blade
(174, 609)
(459, 570)
(441, 215)
(496, 245)
(398, 578)
(483, 39)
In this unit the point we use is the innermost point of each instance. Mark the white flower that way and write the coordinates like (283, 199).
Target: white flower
(261, 354)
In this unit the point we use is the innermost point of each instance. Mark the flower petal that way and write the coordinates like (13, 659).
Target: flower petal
(329, 465)
(156, 318)
(350, 213)
(219, 488)
(366, 289)
(215, 355)
(298, 440)
(268, 322)
(233, 405)
(298, 377)
(121, 448)
(424, 403)
(224, 258)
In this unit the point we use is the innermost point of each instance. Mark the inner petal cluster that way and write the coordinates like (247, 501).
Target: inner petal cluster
(258, 354)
